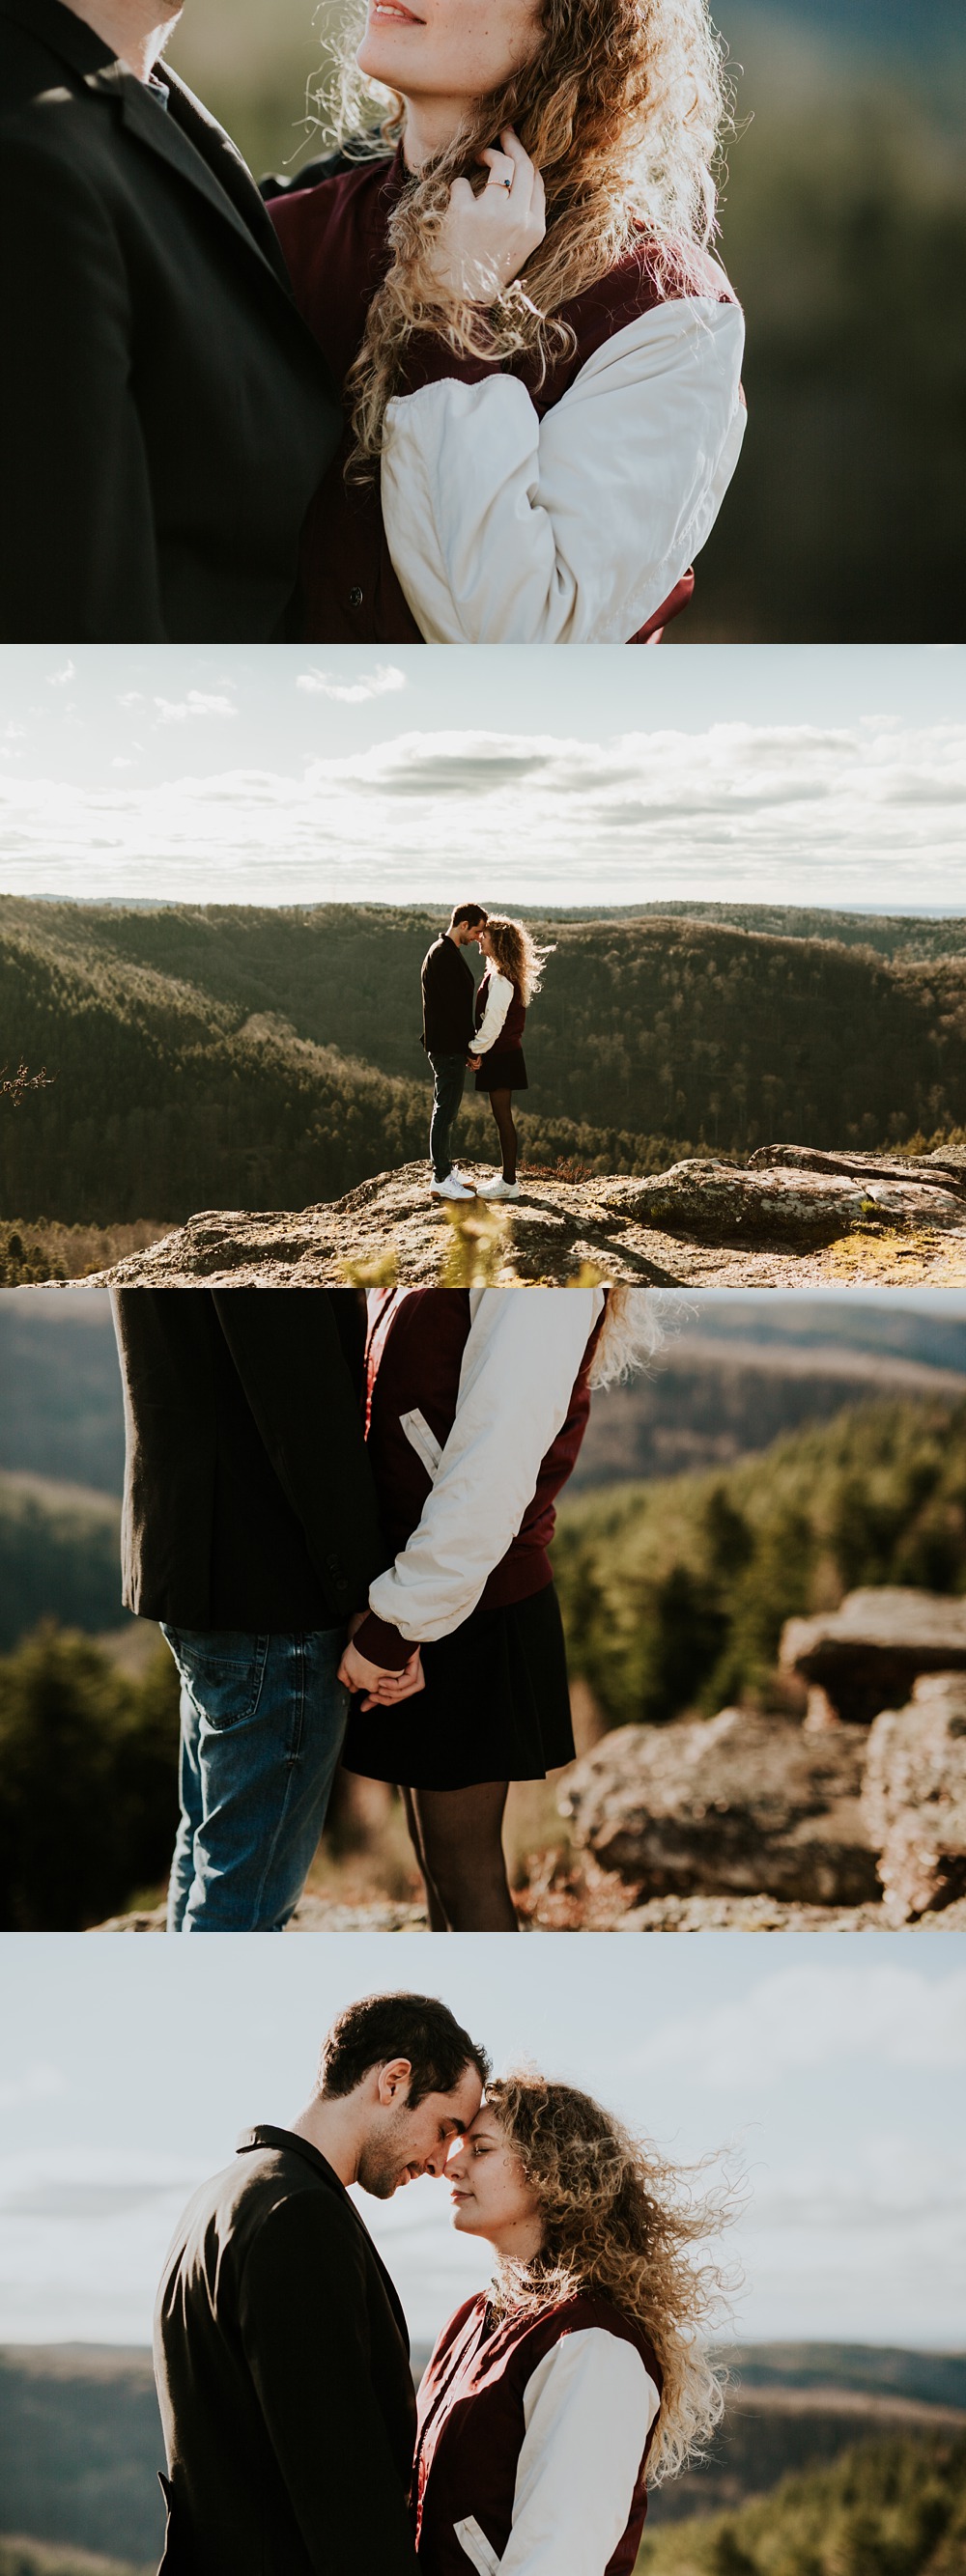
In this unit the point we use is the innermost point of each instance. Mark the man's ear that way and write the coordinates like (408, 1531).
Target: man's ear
(394, 2081)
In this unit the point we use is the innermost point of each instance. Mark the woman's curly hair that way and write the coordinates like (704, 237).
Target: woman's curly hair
(620, 2222)
(516, 954)
(621, 108)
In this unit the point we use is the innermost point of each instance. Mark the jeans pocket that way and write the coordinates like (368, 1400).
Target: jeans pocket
(223, 1670)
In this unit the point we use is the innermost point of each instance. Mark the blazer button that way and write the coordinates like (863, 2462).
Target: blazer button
(355, 596)
(336, 1572)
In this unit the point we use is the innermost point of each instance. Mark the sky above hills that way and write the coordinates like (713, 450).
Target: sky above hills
(833, 2072)
(294, 775)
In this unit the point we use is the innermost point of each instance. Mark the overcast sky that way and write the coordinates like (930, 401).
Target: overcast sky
(834, 2066)
(829, 775)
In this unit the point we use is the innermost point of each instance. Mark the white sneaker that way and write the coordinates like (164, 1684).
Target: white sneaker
(498, 1188)
(451, 1188)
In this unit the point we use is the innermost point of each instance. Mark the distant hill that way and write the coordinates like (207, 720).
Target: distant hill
(59, 1557)
(892, 2507)
(243, 1057)
(674, 1594)
(62, 1416)
(708, 1401)
(80, 2441)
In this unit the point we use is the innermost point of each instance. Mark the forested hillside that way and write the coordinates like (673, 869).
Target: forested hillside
(255, 1058)
(674, 1595)
(887, 2508)
(59, 1557)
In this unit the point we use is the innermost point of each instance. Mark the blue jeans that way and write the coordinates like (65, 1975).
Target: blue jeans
(262, 1723)
(449, 1076)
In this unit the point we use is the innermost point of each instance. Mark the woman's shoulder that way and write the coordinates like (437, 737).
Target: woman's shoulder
(589, 2310)
(352, 197)
(650, 274)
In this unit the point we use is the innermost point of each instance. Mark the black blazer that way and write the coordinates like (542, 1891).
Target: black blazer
(449, 994)
(166, 414)
(248, 1498)
(282, 2363)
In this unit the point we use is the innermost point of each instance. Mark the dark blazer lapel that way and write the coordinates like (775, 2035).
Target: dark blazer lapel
(184, 138)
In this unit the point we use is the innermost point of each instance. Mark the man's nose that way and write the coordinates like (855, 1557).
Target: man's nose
(435, 2163)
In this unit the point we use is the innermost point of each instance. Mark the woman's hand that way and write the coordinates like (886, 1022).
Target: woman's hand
(474, 1062)
(383, 1689)
(485, 240)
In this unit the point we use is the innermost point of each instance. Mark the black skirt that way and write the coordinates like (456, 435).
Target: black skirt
(503, 1070)
(496, 1706)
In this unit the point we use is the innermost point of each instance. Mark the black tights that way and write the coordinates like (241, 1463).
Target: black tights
(501, 1103)
(456, 1836)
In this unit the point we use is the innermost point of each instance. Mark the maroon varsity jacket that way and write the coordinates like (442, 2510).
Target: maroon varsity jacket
(471, 2424)
(413, 1361)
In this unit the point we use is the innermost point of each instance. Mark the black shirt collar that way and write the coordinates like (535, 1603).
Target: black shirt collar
(287, 2142)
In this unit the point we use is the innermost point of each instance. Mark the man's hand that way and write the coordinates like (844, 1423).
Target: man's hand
(485, 240)
(474, 1062)
(383, 1689)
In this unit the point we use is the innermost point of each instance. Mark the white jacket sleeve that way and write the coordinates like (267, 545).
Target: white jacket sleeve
(588, 2410)
(519, 1369)
(498, 1002)
(505, 529)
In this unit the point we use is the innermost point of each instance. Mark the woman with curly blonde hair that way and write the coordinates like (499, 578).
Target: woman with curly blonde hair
(513, 969)
(512, 282)
(551, 2400)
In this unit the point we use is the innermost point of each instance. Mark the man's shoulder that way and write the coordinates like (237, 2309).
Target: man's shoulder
(52, 123)
(268, 2181)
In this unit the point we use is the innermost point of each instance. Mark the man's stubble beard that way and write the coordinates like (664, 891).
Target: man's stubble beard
(383, 2162)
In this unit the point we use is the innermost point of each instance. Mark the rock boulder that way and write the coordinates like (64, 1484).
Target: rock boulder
(866, 1655)
(786, 1195)
(735, 1804)
(914, 1797)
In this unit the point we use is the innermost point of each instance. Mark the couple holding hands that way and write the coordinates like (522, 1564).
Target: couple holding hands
(294, 2441)
(473, 378)
(339, 1508)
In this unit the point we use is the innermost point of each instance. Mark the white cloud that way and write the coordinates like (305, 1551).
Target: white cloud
(38, 2083)
(760, 813)
(812, 2015)
(379, 683)
(197, 703)
(62, 679)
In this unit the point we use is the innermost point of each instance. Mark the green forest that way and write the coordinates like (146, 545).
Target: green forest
(255, 1058)
(674, 1595)
(890, 2508)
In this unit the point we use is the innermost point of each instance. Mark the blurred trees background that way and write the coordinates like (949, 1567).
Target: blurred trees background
(844, 231)
(674, 1595)
(896, 2507)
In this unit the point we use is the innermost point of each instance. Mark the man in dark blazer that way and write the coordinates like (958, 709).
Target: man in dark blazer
(448, 997)
(250, 1532)
(281, 2353)
(166, 414)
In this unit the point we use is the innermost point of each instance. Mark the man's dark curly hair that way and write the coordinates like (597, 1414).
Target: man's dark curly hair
(380, 2027)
